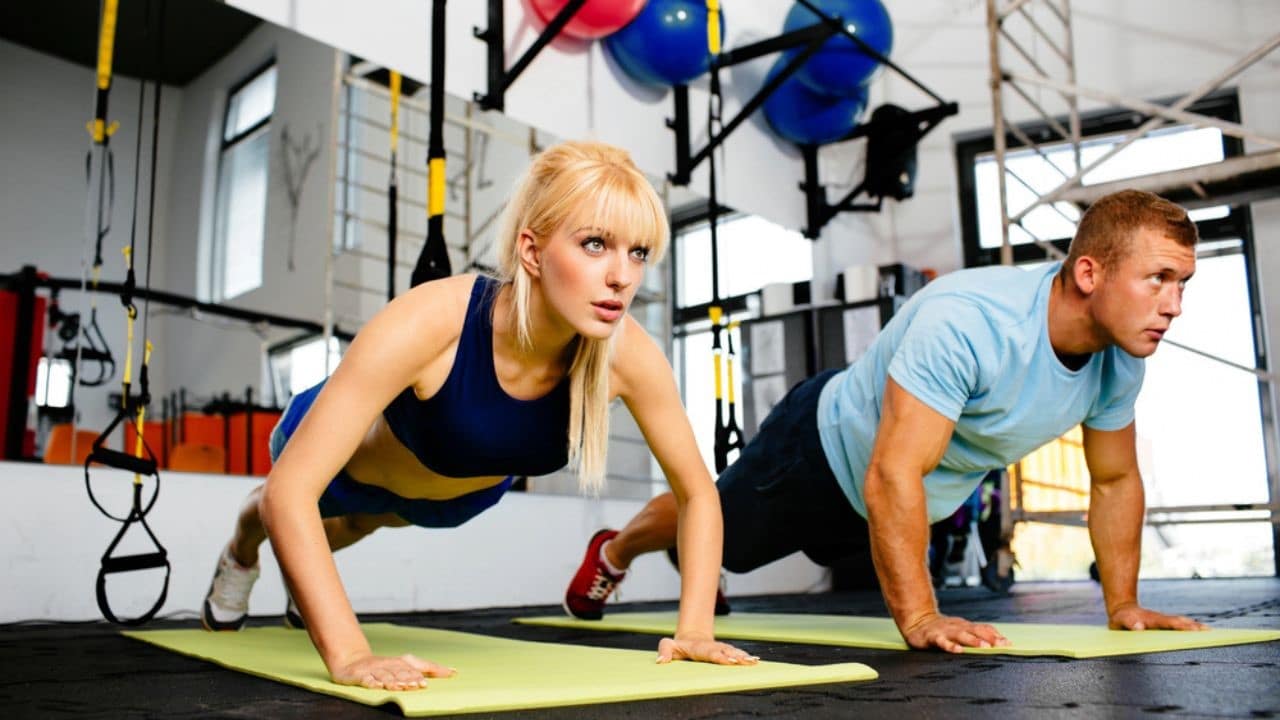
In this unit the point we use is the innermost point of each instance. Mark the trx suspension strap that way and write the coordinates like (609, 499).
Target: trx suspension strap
(142, 461)
(393, 191)
(727, 435)
(99, 175)
(433, 262)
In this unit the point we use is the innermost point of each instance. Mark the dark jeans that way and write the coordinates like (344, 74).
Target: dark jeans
(781, 497)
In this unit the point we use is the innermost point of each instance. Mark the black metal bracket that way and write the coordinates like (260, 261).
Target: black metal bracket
(891, 134)
(891, 137)
(499, 77)
(810, 37)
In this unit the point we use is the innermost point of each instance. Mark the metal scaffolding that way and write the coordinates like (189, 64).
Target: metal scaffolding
(1046, 84)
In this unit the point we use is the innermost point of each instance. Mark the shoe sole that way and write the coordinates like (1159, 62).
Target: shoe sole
(565, 605)
(231, 626)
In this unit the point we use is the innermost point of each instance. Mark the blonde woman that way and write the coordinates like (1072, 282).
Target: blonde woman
(461, 383)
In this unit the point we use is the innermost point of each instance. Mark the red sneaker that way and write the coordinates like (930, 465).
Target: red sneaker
(592, 584)
(722, 602)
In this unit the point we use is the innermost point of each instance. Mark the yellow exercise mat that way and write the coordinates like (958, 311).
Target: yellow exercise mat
(1076, 641)
(493, 673)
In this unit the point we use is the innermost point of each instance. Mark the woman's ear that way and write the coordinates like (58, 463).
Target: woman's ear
(530, 254)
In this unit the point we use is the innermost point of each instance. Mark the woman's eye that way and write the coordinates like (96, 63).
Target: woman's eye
(641, 254)
(593, 244)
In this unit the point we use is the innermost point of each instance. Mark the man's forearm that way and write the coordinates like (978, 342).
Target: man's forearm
(899, 525)
(1116, 513)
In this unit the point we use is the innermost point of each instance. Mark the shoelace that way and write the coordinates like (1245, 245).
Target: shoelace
(231, 587)
(601, 586)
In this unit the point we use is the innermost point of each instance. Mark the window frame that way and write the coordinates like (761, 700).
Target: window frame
(217, 255)
(1223, 104)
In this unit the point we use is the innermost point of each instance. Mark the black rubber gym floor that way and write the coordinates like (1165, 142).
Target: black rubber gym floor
(87, 670)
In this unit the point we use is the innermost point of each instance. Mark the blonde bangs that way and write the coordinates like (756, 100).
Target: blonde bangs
(618, 201)
(622, 210)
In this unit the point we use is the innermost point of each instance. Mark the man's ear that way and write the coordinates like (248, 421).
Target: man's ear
(530, 254)
(1087, 273)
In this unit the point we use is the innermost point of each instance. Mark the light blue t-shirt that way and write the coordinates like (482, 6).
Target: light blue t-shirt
(974, 346)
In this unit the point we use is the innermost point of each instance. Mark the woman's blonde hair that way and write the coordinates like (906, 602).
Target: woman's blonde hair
(589, 184)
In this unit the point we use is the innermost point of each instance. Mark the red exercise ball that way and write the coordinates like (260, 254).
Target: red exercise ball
(595, 19)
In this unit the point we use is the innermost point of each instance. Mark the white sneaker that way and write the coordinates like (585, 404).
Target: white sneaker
(227, 604)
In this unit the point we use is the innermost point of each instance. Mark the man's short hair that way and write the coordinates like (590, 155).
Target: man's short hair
(1107, 229)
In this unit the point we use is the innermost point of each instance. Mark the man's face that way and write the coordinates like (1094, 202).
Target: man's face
(1138, 296)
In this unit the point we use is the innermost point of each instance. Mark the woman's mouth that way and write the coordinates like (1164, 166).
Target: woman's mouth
(609, 310)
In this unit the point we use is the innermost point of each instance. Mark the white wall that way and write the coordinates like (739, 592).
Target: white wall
(206, 358)
(573, 90)
(523, 551)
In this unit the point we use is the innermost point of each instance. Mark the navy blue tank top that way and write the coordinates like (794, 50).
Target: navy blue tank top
(472, 427)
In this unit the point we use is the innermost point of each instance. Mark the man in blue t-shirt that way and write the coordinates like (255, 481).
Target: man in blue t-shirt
(978, 369)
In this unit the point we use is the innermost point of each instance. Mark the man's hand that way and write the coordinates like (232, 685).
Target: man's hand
(406, 672)
(1136, 617)
(702, 650)
(952, 634)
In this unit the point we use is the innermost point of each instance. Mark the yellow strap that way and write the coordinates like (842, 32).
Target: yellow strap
(128, 351)
(140, 426)
(732, 326)
(715, 360)
(713, 26)
(731, 393)
(395, 109)
(715, 313)
(106, 43)
(99, 131)
(137, 443)
(435, 187)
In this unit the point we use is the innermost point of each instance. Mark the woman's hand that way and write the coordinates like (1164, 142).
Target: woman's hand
(406, 672)
(702, 649)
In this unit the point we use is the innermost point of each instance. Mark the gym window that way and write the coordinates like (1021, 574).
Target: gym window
(299, 364)
(753, 252)
(1170, 148)
(240, 210)
(53, 383)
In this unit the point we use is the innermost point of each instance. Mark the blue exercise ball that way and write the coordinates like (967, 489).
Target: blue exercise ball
(840, 67)
(666, 44)
(808, 118)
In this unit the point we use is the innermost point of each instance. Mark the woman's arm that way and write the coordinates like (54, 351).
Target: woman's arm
(644, 380)
(389, 354)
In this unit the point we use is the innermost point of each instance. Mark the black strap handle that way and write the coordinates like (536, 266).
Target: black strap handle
(130, 563)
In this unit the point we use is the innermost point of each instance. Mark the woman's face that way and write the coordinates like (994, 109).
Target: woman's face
(589, 275)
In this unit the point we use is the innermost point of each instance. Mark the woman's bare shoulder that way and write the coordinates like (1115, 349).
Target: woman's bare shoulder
(423, 321)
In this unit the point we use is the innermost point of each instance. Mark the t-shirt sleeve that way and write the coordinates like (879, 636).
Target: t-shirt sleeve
(937, 358)
(1121, 380)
